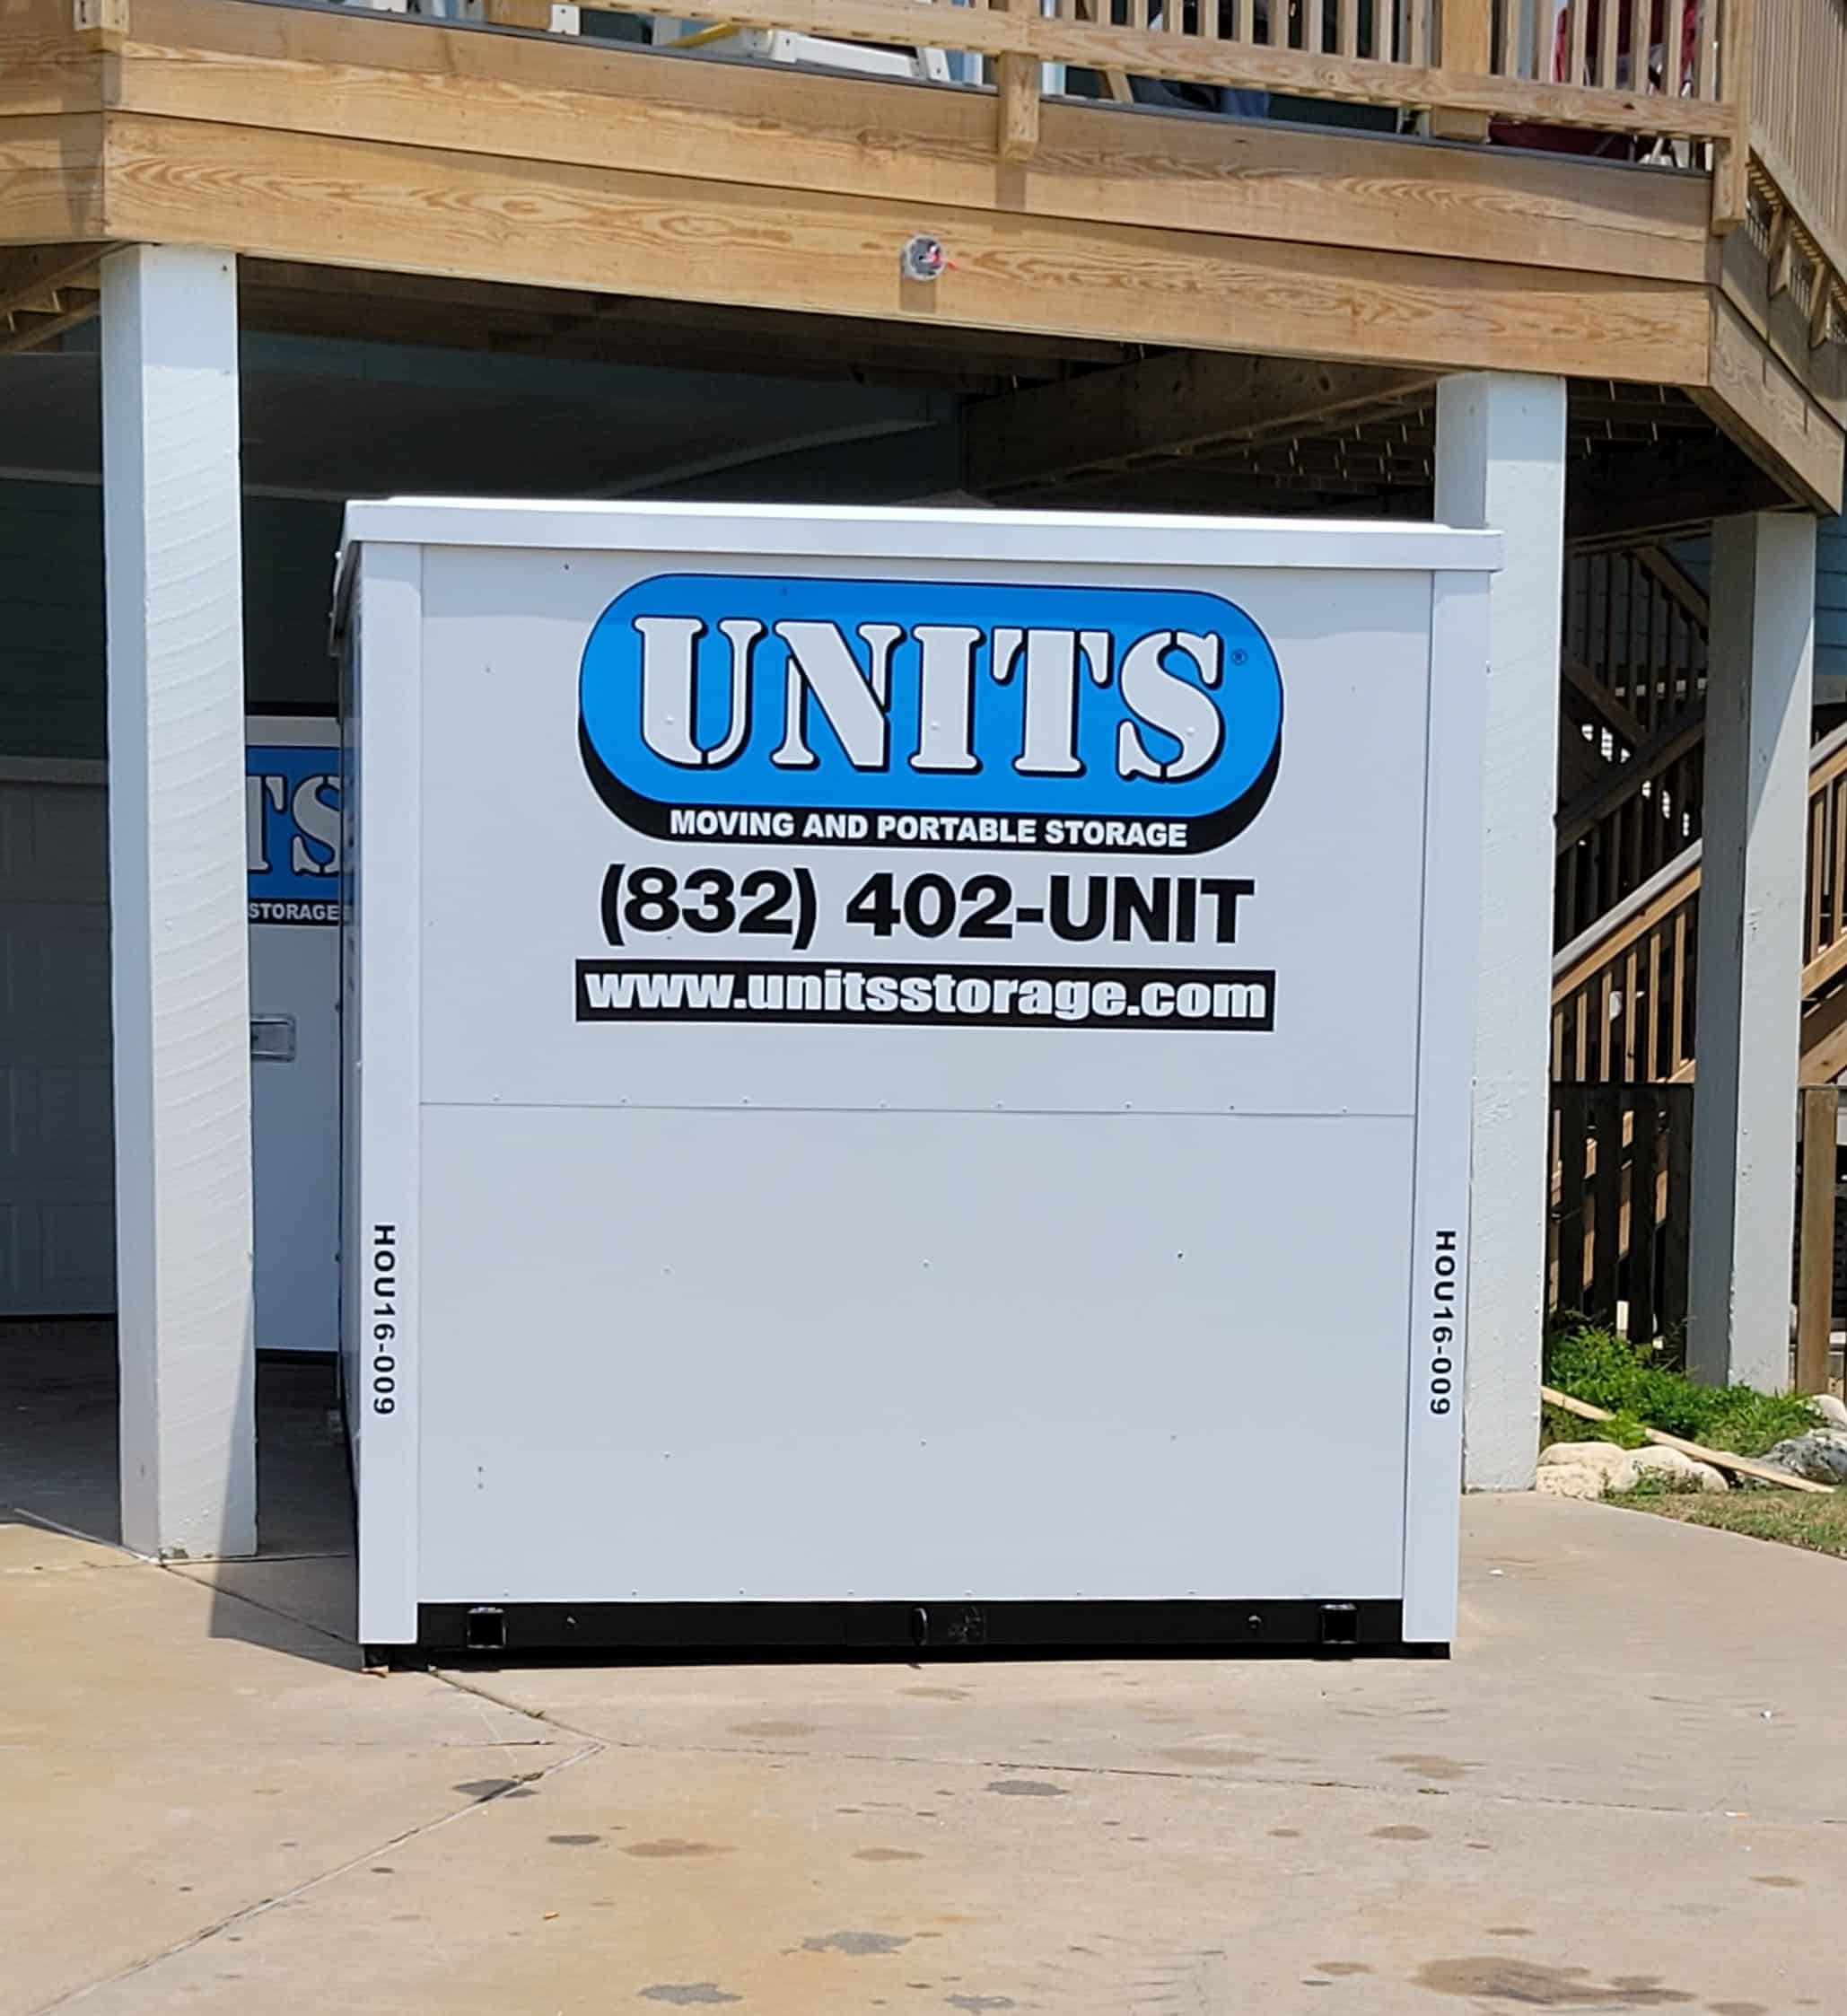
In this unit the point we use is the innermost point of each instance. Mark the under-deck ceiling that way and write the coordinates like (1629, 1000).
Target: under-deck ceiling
(358, 383)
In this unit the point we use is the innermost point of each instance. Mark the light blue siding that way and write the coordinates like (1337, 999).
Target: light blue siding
(1831, 599)
(1694, 556)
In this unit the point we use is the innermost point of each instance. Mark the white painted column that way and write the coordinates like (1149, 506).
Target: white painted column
(179, 935)
(1759, 697)
(1501, 464)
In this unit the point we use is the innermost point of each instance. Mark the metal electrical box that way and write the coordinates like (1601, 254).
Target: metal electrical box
(907, 1075)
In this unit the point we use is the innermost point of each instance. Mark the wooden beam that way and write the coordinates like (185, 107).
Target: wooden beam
(441, 298)
(348, 73)
(1621, 782)
(1781, 322)
(1821, 306)
(1824, 1039)
(1604, 704)
(46, 65)
(428, 210)
(288, 297)
(1187, 403)
(1653, 560)
(51, 180)
(1760, 405)
(1781, 251)
(1815, 1243)
(71, 313)
(28, 278)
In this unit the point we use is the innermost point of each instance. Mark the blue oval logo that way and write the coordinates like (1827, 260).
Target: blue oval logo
(707, 698)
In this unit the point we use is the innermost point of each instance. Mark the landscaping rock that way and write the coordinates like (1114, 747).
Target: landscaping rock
(1833, 1412)
(1680, 1471)
(1585, 1469)
(1605, 1456)
(1571, 1480)
(1820, 1455)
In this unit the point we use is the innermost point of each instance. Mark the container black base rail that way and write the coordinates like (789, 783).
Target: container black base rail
(955, 1629)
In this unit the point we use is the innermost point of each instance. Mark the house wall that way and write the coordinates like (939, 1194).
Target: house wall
(51, 626)
(1831, 609)
(1830, 601)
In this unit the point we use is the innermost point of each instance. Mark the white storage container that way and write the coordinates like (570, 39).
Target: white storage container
(907, 1075)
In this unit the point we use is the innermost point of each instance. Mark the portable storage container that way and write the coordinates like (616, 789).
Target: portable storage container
(907, 1075)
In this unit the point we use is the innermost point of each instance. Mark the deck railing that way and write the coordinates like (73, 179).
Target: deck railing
(1798, 100)
(1621, 1179)
(1751, 89)
(1623, 993)
(1634, 700)
(1517, 61)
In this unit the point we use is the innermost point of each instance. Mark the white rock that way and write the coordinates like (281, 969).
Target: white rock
(1573, 1480)
(1600, 1455)
(1833, 1412)
(1682, 1472)
(1820, 1455)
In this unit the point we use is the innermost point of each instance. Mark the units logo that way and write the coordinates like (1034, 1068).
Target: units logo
(291, 834)
(760, 706)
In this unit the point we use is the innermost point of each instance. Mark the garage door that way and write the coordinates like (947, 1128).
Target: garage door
(57, 1193)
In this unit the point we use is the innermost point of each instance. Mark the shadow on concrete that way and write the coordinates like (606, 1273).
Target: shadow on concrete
(58, 1469)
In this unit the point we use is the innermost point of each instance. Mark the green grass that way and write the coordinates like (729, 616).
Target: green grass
(1818, 1524)
(1641, 1389)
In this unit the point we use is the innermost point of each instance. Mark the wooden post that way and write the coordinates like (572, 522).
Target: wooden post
(539, 16)
(1814, 1262)
(1732, 156)
(1465, 50)
(1018, 77)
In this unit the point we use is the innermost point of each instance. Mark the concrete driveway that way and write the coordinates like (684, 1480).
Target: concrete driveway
(1628, 1790)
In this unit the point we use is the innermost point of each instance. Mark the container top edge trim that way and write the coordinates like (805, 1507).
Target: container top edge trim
(837, 532)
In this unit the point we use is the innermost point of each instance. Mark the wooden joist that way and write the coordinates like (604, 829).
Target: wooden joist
(1182, 404)
(44, 293)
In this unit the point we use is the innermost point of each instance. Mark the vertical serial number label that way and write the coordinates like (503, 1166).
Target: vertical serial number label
(1445, 1262)
(384, 1319)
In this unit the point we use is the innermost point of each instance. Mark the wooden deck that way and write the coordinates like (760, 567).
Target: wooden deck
(341, 139)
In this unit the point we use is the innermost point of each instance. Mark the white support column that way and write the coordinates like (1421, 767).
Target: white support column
(1759, 696)
(1501, 462)
(179, 927)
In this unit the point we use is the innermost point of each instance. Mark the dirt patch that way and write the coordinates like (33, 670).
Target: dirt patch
(1527, 1984)
(1427, 1763)
(857, 1943)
